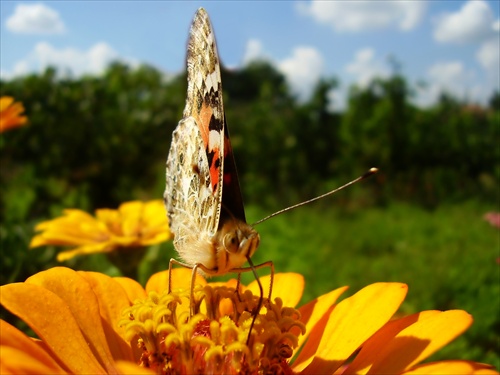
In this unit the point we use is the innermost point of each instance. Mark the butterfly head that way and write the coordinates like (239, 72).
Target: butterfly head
(235, 243)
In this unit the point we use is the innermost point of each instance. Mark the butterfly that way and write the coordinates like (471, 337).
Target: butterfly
(202, 195)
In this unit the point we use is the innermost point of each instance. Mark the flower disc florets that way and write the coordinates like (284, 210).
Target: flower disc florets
(215, 339)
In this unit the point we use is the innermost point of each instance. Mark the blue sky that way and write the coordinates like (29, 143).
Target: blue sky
(450, 45)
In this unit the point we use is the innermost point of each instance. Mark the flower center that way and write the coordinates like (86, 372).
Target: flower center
(214, 339)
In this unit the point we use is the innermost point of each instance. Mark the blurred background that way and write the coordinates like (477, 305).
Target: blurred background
(315, 94)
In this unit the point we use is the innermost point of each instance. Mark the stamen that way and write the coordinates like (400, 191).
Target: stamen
(218, 338)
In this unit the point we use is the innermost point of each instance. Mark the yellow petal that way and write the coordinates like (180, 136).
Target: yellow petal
(51, 318)
(5, 102)
(421, 339)
(112, 301)
(83, 304)
(181, 278)
(287, 286)
(19, 352)
(110, 218)
(351, 323)
(453, 367)
(86, 249)
(131, 214)
(312, 312)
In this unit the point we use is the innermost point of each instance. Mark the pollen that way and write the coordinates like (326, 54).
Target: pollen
(216, 338)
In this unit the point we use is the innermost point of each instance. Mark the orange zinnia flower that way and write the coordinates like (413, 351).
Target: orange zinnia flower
(134, 224)
(10, 114)
(91, 323)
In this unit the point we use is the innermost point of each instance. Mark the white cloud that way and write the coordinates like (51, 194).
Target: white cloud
(496, 26)
(68, 61)
(35, 19)
(473, 23)
(253, 51)
(449, 77)
(366, 67)
(488, 56)
(355, 16)
(302, 70)
(361, 71)
(447, 72)
(78, 62)
(337, 100)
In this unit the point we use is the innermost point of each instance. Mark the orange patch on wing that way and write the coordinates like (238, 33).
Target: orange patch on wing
(203, 122)
(214, 170)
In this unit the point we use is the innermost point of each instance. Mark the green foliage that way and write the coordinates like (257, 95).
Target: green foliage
(99, 141)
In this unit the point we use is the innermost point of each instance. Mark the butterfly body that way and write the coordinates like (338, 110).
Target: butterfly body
(202, 195)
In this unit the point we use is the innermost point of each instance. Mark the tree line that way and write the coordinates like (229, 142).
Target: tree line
(97, 141)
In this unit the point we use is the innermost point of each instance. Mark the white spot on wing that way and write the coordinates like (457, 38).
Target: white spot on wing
(213, 81)
(214, 139)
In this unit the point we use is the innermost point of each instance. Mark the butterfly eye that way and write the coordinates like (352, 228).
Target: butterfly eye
(230, 242)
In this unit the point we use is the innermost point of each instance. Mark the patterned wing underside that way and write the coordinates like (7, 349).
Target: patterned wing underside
(193, 193)
(205, 104)
(191, 206)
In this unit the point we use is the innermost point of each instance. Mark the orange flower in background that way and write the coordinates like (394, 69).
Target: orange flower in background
(91, 323)
(10, 114)
(134, 224)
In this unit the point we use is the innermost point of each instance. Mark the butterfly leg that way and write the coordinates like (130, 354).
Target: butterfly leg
(175, 261)
(195, 268)
(191, 293)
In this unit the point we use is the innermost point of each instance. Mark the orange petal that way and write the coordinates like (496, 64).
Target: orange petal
(82, 301)
(10, 114)
(453, 367)
(312, 312)
(231, 283)
(15, 345)
(133, 289)
(112, 301)
(181, 278)
(351, 323)
(19, 361)
(370, 352)
(51, 318)
(287, 286)
(421, 339)
(128, 368)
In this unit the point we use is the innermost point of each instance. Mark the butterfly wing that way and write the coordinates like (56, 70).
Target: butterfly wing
(199, 152)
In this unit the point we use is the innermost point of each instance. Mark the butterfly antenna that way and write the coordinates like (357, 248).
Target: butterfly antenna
(261, 298)
(370, 172)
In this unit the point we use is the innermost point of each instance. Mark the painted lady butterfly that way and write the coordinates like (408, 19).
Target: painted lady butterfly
(202, 196)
